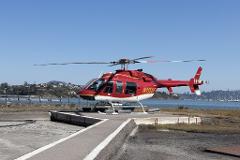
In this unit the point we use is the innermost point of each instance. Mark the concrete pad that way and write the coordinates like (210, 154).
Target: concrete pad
(77, 146)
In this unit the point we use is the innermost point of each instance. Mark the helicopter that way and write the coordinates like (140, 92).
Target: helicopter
(131, 85)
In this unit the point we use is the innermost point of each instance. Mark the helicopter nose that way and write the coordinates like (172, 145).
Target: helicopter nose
(87, 94)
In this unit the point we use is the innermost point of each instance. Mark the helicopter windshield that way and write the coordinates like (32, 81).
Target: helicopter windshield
(95, 85)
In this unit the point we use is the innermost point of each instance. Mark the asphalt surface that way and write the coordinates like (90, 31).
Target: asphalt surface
(175, 145)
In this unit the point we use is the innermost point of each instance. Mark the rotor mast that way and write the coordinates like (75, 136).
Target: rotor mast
(124, 63)
(124, 66)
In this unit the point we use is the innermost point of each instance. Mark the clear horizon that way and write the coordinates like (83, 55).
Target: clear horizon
(62, 31)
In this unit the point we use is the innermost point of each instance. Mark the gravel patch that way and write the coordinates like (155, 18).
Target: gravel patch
(177, 145)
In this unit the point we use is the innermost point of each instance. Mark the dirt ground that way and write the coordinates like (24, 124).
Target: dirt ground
(175, 145)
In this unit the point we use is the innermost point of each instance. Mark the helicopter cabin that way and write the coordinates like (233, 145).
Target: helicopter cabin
(124, 85)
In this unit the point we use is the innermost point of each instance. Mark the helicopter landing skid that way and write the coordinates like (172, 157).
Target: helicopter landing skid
(143, 110)
(101, 112)
(113, 110)
(116, 113)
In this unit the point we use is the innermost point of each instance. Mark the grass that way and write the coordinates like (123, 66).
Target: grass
(213, 121)
(203, 128)
(205, 112)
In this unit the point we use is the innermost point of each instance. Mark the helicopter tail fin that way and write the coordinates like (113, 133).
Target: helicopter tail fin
(195, 82)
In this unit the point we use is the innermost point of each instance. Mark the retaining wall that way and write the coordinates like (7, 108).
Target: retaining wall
(167, 120)
(71, 118)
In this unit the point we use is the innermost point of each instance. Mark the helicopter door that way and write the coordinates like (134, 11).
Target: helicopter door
(131, 88)
(119, 89)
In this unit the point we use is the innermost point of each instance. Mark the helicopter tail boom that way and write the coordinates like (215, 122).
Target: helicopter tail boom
(193, 83)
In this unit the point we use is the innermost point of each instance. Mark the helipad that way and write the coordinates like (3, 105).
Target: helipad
(98, 141)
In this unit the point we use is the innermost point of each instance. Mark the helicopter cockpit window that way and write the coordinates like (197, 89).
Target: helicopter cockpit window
(131, 88)
(96, 85)
(109, 87)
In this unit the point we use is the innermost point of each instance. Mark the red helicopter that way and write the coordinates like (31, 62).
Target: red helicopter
(131, 85)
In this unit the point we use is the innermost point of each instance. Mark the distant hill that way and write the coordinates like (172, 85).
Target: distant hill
(164, 95)
(219, 95)
(49, 89)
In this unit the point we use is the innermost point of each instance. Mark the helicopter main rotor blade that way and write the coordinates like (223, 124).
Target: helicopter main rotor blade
(70, 63)
(136, 59)
(173, 61)
(124, 62)
(169, 61)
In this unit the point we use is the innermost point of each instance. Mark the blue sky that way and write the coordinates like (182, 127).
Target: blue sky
(61, 31)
